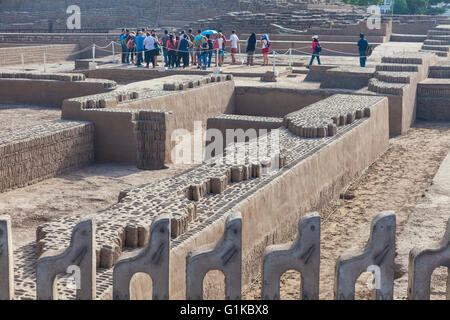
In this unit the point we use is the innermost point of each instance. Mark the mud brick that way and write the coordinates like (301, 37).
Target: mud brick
(350, 117)
(332, 129)
(143, 235)
(169, 86)
(237, 173)
(219, 184)
(256, 170)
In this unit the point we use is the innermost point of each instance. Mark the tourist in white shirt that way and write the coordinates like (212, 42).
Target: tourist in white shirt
(234, 44)
(149, 44)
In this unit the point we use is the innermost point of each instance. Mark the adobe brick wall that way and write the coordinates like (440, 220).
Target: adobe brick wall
(433, 100)
(43, 151)
(116, 129)
(255, 101)
(232, 121)
(50, 93)
(35, 53)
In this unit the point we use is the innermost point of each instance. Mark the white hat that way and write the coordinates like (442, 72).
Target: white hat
(315, 37)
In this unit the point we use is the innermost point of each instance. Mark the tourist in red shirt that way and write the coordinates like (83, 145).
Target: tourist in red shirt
(316, 48)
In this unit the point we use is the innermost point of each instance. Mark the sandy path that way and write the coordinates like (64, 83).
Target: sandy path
(396, 181)
(81, 191)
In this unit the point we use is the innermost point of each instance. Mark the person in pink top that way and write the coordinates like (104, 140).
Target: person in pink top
(316, 48)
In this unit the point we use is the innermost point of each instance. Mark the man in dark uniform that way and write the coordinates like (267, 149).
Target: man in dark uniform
(362, 45)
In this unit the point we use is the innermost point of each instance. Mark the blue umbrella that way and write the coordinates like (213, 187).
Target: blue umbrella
(209, 32)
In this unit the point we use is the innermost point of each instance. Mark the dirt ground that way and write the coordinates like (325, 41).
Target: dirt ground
(80, 191)
(396, 181)
(13, 117)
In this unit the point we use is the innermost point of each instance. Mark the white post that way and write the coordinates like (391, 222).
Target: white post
(45, 62)
(290, 58)
(23, 62)
(274, 61)
(217, 57)
(113, 52)
(93, 52)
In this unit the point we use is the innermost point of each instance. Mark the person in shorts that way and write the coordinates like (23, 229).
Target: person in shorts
(265, 42)
(191, 47)
(198, 42)
(234, 46)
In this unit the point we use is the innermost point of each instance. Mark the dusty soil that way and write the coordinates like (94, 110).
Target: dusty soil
(81, 191)
(396, 181)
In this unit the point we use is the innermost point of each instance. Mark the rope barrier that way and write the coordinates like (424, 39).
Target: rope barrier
(217, 52)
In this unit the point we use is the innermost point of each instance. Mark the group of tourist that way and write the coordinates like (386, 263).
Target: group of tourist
(198, 50)
(186, 48)
(364, 50)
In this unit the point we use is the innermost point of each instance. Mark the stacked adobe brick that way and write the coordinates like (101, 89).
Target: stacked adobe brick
(40, 152)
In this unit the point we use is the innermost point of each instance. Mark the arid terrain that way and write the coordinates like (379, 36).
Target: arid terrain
(396, 181)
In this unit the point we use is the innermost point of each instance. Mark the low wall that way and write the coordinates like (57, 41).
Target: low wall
(35, 54)
(115, 134)
(402, 95)
(408, 37)
(81, 40)
(328, 48)
(50, 93)
(232, 121)
(347, 77)
(271, 214)
(40, 152)
(325, 37)
(433, 100)
(275, 102)
(413, 27)
(130, 75)
(316, 73)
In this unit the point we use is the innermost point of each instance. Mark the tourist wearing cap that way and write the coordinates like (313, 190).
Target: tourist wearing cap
(316, 48)
(234, 45)
(362, 48)
(163, 42)
(265, 42)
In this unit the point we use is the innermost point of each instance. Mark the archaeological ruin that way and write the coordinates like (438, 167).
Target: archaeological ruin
(216, 184)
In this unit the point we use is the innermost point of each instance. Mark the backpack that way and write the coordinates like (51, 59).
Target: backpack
(318, 48)
(369, 50)
(130, 43)
(157, 48)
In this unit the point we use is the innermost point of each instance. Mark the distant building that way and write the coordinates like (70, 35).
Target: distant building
(386, 7)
